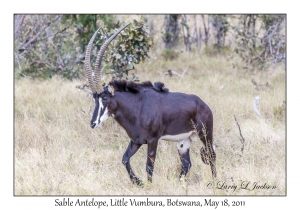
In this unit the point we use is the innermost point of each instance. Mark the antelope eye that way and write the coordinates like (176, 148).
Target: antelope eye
(104, 98)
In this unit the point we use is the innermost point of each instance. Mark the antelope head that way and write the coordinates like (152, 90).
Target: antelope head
(100, 94)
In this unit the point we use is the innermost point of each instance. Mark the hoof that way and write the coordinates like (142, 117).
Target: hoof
(137, 182)
(182, 178)
(140, 184)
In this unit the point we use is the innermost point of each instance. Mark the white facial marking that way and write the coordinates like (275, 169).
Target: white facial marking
(98, 115)
(104, 115)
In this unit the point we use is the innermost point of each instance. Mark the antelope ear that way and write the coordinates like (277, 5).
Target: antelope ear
(111, 89)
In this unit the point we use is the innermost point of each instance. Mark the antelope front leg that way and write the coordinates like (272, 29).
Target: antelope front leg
(151, 154)
(131, 150)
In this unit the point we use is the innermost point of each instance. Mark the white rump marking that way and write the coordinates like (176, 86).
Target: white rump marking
(183, 146)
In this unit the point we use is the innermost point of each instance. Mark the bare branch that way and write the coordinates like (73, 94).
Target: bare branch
(260, 86)
(184, 71)
(20, 24)
(59, 32)
(60, 59)
(28, 41)
(172, 72)
(242, 138)
(175, 73)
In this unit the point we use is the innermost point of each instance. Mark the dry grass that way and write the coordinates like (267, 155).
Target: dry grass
(56, 152)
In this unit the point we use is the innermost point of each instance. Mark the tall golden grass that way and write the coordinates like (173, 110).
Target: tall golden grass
(57, 153)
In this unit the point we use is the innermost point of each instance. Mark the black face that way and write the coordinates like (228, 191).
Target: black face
(101, 112)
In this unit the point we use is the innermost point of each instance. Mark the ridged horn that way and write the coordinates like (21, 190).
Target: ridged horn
(87, 62)
(99, 59)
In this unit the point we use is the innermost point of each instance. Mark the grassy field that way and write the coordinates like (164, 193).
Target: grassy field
(57, 153)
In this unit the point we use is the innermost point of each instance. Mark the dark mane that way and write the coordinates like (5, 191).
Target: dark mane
(133, 87)
(159, 86)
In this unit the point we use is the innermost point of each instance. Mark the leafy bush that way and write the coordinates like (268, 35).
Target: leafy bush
(130, 47)
(87, 24)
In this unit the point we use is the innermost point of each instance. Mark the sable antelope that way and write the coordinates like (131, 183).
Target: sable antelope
(150, 113)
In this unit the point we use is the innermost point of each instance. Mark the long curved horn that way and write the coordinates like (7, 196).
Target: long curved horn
(99, 59)
(87, 62)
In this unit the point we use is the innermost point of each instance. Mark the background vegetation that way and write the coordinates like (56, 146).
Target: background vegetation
(46, 45)
(226, 60)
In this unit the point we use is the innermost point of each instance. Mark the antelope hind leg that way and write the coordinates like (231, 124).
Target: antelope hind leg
(184, 153)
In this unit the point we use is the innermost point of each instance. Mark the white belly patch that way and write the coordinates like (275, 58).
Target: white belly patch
(179, 137)
(183, 140)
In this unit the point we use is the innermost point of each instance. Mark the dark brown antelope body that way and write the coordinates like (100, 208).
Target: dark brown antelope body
(150, 113)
